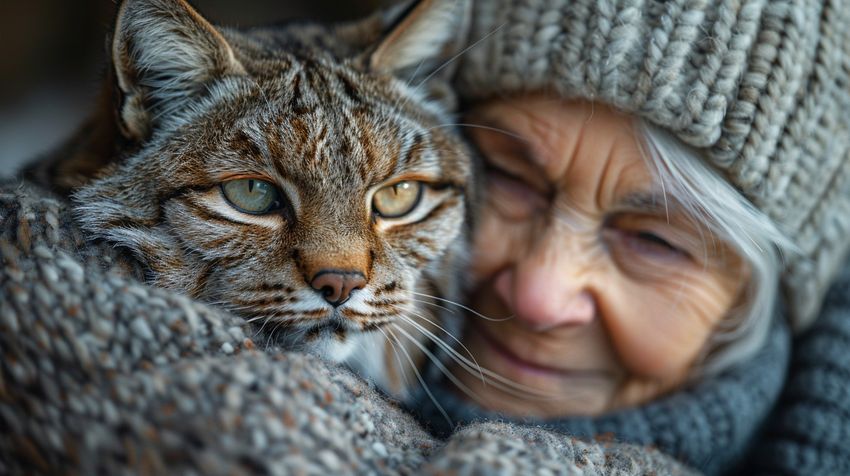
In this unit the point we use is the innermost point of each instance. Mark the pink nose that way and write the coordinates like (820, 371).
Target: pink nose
(336, 286)
(542, 303)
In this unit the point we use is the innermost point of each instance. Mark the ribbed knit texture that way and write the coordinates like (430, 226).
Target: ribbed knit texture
(762, 87)
(101, 374)
(810, 431)
(708, 426)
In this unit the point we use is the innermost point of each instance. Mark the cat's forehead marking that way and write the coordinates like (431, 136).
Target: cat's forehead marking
(325, 130)
(369, 140)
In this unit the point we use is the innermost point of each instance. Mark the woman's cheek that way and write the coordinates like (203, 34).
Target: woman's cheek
(659, 329)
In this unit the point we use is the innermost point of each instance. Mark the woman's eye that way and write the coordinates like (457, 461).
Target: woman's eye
(649, 243)
(252, 196)
(511, 197)
(397, 200)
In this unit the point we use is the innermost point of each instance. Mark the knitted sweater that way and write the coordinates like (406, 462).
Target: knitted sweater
(809, 430)
(103, 374)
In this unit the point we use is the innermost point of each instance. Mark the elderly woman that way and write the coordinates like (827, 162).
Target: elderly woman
(640, 274)
(652, 171)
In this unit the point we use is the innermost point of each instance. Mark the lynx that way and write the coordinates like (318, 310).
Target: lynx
(305, 177)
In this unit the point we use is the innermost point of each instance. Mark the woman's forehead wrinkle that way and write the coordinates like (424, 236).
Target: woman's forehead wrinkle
(632, 178)
(606, 185)
(586, 164)
(542, 136)
(515, 136)
(555, 145)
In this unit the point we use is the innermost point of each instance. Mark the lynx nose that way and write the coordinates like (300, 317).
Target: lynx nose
(336, 286)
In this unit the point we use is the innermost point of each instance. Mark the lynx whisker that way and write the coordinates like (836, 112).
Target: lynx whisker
(453, 337)
(461, 53)
(269, 335)
(445, 371)
(420, 379)
(397, 357)
(260, 330)
(466, 308)
(439, 306)
(498, 381)
(444, 345)
(410, 79)
(450, 61)
(481, 126)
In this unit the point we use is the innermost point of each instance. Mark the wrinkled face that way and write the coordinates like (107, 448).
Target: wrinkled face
(604, 291)
(314, 200)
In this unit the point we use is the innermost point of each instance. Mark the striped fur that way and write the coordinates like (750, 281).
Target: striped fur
(315, 111)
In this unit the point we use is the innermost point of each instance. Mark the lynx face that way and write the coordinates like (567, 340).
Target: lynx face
(304, 188)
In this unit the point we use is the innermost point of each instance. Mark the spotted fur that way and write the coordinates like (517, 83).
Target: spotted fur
(329, 114)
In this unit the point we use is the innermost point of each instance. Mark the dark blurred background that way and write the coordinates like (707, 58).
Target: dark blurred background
(53, 52)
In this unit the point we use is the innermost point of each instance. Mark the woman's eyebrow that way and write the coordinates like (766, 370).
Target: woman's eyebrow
(651, 202)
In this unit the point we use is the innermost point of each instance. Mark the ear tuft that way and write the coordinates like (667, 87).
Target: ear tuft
(163, 52)
(427, 32)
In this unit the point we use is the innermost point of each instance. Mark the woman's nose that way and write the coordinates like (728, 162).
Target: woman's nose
(542, 300)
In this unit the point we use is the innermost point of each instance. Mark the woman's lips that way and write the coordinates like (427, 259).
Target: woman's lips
(527, 366)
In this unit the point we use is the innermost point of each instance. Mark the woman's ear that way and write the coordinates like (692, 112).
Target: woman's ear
(163, 52)
(421, 37)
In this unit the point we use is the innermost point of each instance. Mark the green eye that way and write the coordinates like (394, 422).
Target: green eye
(397, 200)
(251, 195)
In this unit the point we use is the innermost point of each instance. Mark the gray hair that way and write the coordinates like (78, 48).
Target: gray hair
(726, 214)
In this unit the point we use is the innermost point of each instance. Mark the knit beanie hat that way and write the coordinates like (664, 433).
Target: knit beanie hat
(761, 87)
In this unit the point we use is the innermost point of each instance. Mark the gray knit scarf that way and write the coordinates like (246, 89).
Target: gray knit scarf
(708, 426)
(102, 374)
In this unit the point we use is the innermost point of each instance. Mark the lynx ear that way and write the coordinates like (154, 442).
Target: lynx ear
(423, 35)
(163, 51)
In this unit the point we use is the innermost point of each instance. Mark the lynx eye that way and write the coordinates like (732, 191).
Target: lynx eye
(398, 199)
(251, 195)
